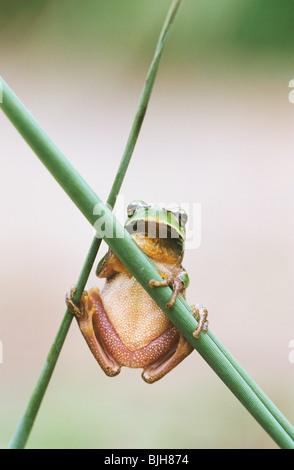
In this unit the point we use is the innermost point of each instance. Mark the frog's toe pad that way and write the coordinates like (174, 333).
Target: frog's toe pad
(156, 283)
(73, 308)
(200, 313)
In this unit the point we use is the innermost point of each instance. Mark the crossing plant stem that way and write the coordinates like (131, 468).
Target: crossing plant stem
(141, 267)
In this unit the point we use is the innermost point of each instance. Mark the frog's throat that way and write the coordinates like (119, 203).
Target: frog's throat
(164, 250)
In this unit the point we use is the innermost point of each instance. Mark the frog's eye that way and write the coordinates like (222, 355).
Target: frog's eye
(135, 206)
(182, 216)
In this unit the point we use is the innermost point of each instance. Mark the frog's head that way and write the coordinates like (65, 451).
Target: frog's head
(158, 226)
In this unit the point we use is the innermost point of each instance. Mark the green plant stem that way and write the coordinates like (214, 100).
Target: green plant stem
(25, 425)
(141, 267)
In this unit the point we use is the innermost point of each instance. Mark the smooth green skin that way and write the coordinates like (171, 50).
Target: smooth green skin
(164, 217)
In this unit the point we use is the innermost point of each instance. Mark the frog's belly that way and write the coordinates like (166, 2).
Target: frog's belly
(135, 316)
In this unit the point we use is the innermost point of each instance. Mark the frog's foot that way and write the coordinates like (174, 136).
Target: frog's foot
(161, 367)
(175, 282)
(76, 310)
(200, 313)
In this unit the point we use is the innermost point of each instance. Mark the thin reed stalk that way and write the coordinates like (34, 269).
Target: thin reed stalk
(46, 146)
(215, 354)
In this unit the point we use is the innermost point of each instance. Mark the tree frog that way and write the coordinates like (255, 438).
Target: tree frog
(122, 324)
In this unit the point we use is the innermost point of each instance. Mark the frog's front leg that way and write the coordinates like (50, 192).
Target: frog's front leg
(179, 282)
(89, 305)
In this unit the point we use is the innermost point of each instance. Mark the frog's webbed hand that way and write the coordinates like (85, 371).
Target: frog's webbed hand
(200, 313)
(76, 310)
(85, 309)
(177, 282)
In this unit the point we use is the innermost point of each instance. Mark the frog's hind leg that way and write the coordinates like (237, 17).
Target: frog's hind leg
(161, 367)
(89, 306)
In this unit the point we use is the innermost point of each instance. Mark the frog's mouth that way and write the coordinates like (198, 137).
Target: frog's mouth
(153, 229)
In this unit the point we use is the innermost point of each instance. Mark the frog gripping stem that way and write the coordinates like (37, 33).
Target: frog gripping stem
(200, 313)
(175, 282)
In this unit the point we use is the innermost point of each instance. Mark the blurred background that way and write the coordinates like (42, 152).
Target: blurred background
(218, 131)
